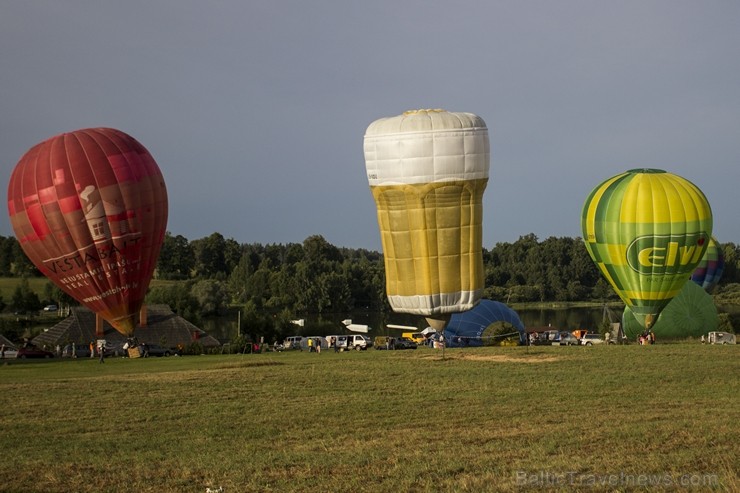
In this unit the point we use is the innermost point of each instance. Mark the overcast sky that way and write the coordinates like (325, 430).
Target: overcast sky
(255, 110)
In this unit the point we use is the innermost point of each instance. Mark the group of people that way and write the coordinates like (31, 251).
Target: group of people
(101, 351)
(646, 338)
(314, 345)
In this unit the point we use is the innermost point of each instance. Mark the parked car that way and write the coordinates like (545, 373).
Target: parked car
(292, 342)
(417, 337)
(381, 342)
(51, 308)
(591, 339)
(722, 338)
(76, 351)
(155, 350)
(8, 352)
(352, 341)
(404, 343)
(546, 338)
(567, 339)
(33, 352)
(359, 342)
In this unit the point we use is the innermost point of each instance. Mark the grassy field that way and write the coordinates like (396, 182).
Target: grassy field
(8, 285)
(488, 419)
(37, 285)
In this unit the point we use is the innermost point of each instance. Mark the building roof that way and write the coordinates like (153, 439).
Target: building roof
(163, 327)
(6, 342)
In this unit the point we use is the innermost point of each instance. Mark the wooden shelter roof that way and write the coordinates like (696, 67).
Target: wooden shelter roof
(163, 327)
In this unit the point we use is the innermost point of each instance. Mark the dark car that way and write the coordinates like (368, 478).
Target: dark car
(404, 343)
(33, 352)
(155, 350)
(76, 351)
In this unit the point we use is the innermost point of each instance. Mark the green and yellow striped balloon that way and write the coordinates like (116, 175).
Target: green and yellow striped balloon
(646, 230)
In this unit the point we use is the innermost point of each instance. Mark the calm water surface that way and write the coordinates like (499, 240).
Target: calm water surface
(227, 327)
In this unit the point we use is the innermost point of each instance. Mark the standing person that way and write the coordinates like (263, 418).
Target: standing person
(2, 351)
(336, 346)
(101, 350)
(318, 345)
(310, 344)
(92, 349)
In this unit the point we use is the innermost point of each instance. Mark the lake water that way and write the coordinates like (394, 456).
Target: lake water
(227, 327)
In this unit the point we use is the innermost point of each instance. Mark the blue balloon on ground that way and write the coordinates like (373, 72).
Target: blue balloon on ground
(469, 328)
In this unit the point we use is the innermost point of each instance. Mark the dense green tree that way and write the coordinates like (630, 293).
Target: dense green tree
(176, 258)
(317, 277)
(731, 273)
(212, 296)
(21, 265)
(7, 256)
(24, 298)
(257, 324)
(210, 257)
(179, 298)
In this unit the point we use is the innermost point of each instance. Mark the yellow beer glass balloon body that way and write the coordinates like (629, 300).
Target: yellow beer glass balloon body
(427, 171)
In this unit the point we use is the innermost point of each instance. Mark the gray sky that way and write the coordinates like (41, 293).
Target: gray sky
(255, 110)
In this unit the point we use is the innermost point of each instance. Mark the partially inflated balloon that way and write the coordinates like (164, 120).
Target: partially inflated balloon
(479, 325)
(646, 230)
(89, 209)
(690, 314)
(710, 268)
(428, 170)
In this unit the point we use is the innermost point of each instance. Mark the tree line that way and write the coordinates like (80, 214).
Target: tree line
(317, 277)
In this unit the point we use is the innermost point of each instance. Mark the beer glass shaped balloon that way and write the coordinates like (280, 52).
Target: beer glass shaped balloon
(89, 209)
(427, 171)
(646, 230)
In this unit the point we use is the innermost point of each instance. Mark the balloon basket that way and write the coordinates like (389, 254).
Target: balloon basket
(134, 352)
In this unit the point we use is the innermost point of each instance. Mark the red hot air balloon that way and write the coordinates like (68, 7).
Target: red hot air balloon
(89, 209)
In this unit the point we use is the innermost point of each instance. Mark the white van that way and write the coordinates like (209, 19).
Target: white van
(359, 342)
(721, 338)
(351, 341)
(293, 342)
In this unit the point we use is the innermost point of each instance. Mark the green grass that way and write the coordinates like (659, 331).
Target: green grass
(9, 284)
(37, 285)
(487, 419)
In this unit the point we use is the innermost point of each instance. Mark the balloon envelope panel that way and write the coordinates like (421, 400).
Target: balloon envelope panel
(427, 171)
(709, 271)
(690, 314)
(646, 230)
(89, 209)
(467, 328)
